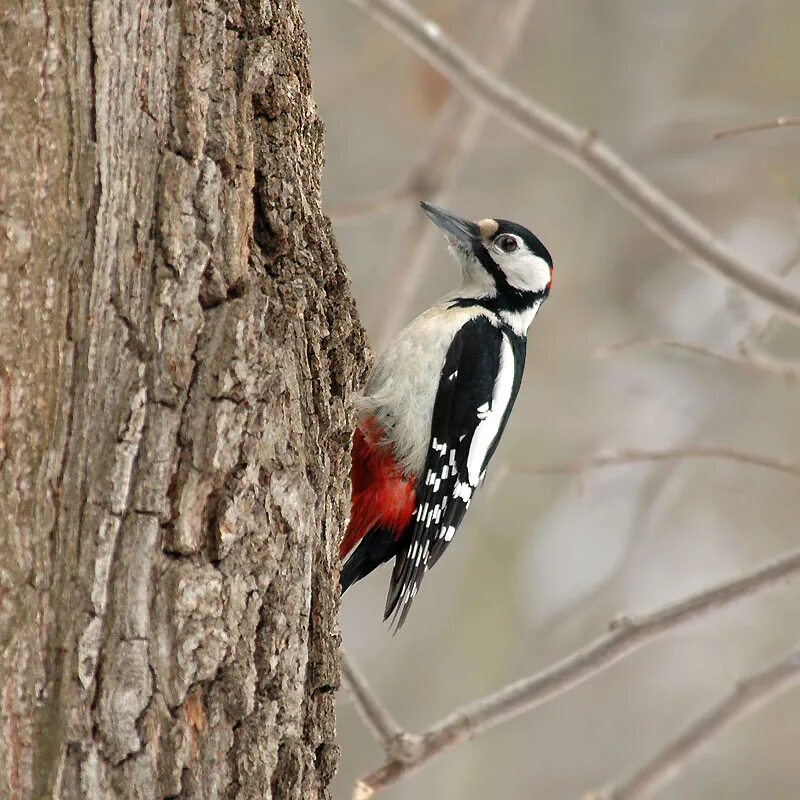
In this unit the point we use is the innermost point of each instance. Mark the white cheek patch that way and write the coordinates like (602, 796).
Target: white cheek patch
(524, 270)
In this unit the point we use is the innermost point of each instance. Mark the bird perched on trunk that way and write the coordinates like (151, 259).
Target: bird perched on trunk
(436, 404)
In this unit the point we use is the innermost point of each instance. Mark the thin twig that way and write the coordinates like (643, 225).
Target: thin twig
(756, 330)
(617, 458)
(627, 634)
(458, 126)
(748, 696)
(782, 369)
(455, 130)
(383, 725)
(780, 122)
(583, 149)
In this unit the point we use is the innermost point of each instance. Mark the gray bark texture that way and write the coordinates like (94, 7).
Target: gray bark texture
(177, 347)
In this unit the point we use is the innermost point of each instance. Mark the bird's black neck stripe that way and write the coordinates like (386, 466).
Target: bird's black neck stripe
(523, 301)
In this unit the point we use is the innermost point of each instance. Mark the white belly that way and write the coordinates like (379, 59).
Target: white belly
(401, 390)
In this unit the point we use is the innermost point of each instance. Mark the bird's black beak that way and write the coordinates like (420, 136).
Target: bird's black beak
(462, 230)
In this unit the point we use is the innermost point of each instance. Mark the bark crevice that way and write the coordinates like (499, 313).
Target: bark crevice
(174, 420)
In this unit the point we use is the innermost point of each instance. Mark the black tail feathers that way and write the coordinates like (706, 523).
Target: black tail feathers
(395, 587)
(377, 546)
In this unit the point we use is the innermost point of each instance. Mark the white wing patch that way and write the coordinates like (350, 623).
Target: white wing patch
(488, 427)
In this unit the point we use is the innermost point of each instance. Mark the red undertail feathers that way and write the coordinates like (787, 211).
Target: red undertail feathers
(382, 496)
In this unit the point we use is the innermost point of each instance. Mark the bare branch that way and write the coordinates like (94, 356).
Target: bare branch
(756, 330)
(782, 369)
(461, 120)
(583, 149)
(617, 458)
(457, 129)
(780, 122)
(381, 723)
(627, 634)
(747, 697)
(457, 126)
(748, 355)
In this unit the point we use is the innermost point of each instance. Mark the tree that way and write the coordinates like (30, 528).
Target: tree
(177, 345)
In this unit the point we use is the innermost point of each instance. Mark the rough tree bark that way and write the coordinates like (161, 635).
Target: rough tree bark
(177, 344)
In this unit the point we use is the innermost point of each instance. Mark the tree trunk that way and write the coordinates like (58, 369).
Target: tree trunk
(177, 345)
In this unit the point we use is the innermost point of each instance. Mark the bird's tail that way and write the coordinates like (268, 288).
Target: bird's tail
(375, 547)
(352, 570)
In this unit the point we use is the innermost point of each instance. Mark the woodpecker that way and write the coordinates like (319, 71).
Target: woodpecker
(436, 403)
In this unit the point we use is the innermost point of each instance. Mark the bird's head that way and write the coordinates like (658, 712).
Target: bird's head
(498, 258)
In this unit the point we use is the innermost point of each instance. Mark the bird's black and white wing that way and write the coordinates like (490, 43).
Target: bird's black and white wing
(477, 388)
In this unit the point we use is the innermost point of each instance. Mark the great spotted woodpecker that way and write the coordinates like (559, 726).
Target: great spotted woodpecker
(436, 404)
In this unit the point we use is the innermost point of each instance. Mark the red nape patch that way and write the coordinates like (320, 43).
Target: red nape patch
(381, 495)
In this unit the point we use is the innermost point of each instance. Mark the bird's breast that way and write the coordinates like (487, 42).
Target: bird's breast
(401, 390)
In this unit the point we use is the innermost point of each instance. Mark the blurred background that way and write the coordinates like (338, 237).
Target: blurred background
(544, 561)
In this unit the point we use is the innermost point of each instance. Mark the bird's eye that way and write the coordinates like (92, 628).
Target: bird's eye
(508, 244)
